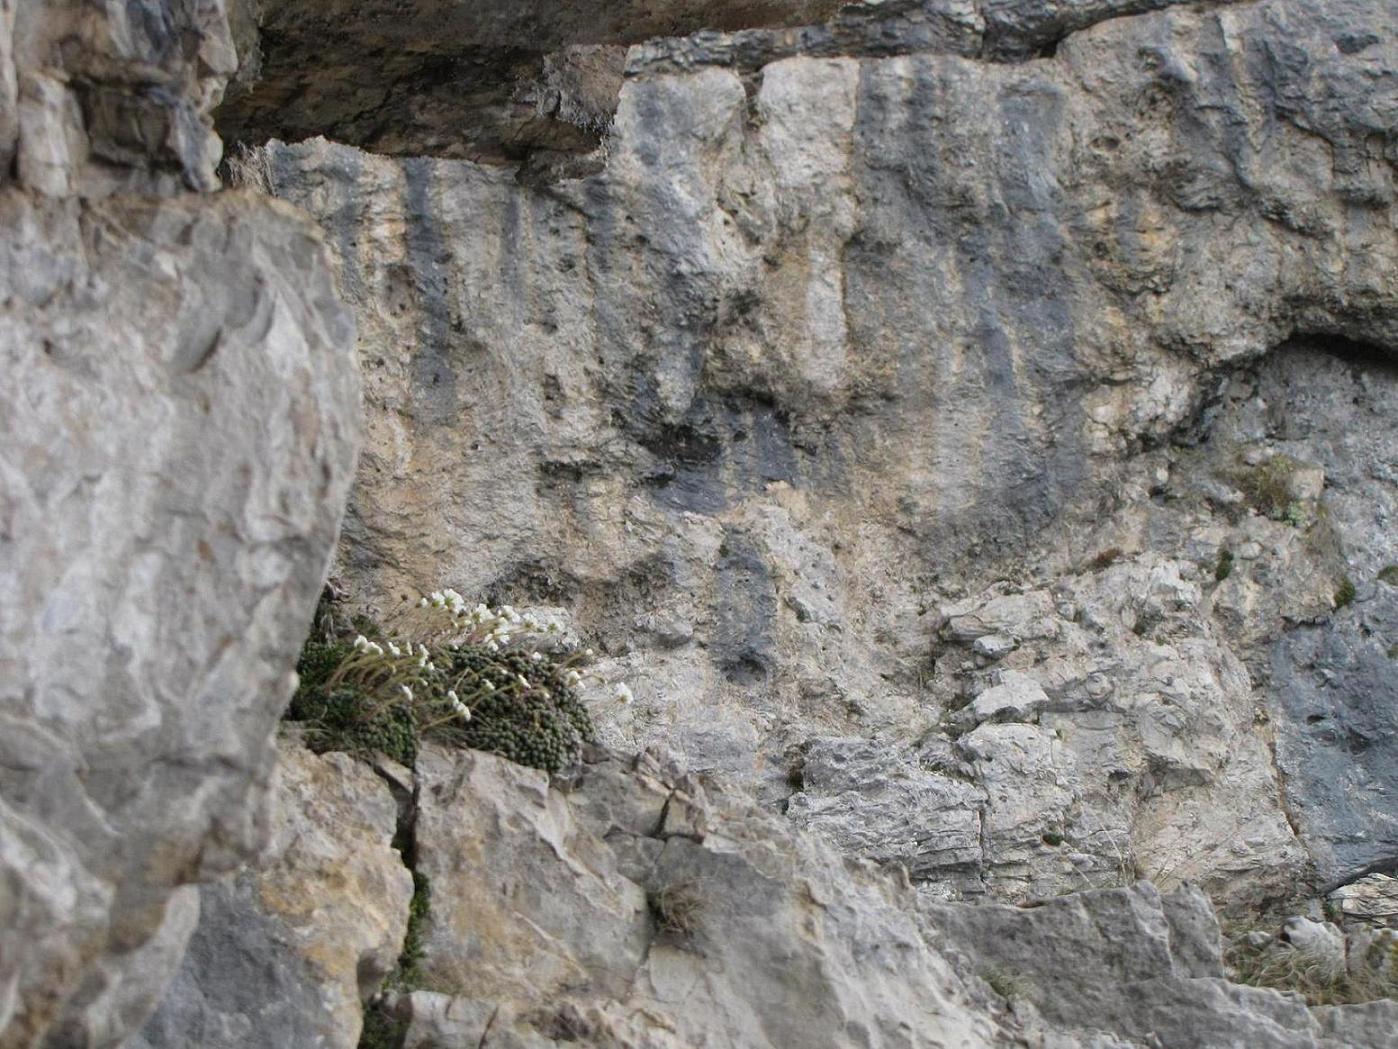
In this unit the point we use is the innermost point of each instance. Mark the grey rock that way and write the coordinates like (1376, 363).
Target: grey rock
(1016, 698)
(634, 905)
(180, 424)
(95, 100)
(1361, 1026)
(1372, 898)
(558, 906)
(893, 809)
(1335, 692)
(898, 349)
(180, 429)
(285, 954)
(1123, 962)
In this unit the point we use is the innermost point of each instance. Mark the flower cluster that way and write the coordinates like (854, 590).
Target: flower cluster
(480, 624)
(476, 676)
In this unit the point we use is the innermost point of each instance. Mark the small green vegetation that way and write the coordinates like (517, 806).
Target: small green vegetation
(1224, 567)
(677, 909)
(1344, 592)
(419, 907)
(1006, 984)
(472, 677)
(1321, 980)
(1389, 574)
(1268, 488)
(382, 1029)
(1053, 838)
(340, 716)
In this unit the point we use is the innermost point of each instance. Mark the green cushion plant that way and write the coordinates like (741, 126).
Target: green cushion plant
(475, 677)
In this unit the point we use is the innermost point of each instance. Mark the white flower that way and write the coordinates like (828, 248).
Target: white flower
(489, 687)
(361, 643)
(423, 603)
(407, 692)
(462, 710)
(534, 657)
(588, 653)
(522, 680)
(451, 695)
(492, 646)
(394, 649)
(437, 598)
(624, 696)
(375, 648)
(572, 677)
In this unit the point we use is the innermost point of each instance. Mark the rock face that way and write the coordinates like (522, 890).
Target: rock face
(634, 905)
(968, 425)
(179, 422)
(100, 98)
(283, 955)
(1124, 967)
(990, 436)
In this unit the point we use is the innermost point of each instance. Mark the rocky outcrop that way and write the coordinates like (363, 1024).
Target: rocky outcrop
(967, 425)
(179, 422)
(284, 954)
(1126, 967)
(632, 904)
(97, 99)
(916, 428)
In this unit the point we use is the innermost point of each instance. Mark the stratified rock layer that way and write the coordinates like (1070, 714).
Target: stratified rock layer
(493, 80)
(97, 98)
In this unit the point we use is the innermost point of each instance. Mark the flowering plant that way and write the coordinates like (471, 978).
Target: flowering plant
(474, 676)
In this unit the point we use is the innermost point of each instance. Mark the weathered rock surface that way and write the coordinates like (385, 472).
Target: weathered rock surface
(867, 372)
(1372, 899)
(896, 396)
(97, 98)
(1126, 967)
(179, 422)
(179, 431)
(285, 953)
(633, 905)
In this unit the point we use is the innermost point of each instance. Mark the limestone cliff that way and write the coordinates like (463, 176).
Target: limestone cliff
(179, 419)
(969, 426)
(855, 389)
